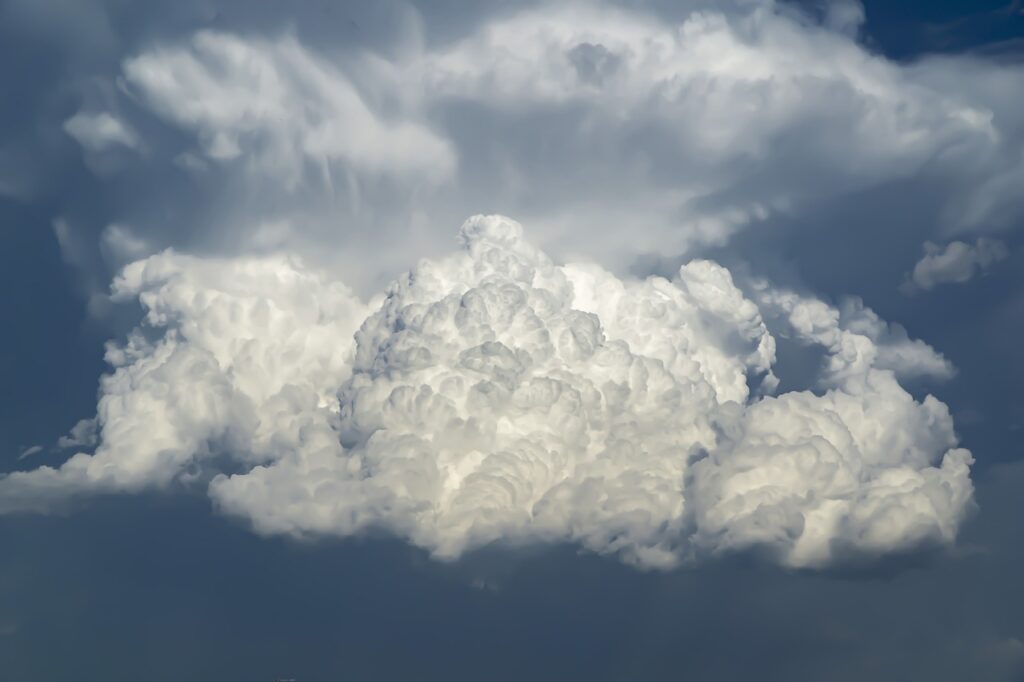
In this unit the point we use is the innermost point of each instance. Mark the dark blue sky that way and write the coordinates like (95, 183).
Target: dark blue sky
(159, 587)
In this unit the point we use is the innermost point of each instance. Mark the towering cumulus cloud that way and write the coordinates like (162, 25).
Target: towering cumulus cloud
(494, 396)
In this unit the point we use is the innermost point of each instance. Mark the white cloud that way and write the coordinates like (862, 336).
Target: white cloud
(615, 131)
(281, 108)
(861, 468)
(494, 396)
(729, 116)
(250, 354)
(956, 262)
(101, 130)
(896, 351)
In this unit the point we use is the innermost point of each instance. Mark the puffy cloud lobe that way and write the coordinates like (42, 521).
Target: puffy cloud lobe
(956, 262)
(894, 349)
(494, 396)
(247, 353)
(497, 397)
(813, 478)
(810, 477)
(855, 338)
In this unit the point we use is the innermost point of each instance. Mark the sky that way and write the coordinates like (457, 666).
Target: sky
(496, 340)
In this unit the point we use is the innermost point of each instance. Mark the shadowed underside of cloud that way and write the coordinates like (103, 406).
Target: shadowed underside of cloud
(495, 396)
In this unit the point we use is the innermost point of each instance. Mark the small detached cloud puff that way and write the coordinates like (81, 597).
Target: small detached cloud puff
(956, 262)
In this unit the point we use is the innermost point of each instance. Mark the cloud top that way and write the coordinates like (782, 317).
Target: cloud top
(691, 124)
(281, 109)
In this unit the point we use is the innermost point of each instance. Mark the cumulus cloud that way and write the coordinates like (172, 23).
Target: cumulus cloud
(494, 396)
(895, 350)
(956, 262)
(248, 355)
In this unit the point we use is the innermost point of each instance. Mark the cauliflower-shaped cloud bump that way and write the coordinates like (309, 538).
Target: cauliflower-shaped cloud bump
(494, 396)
